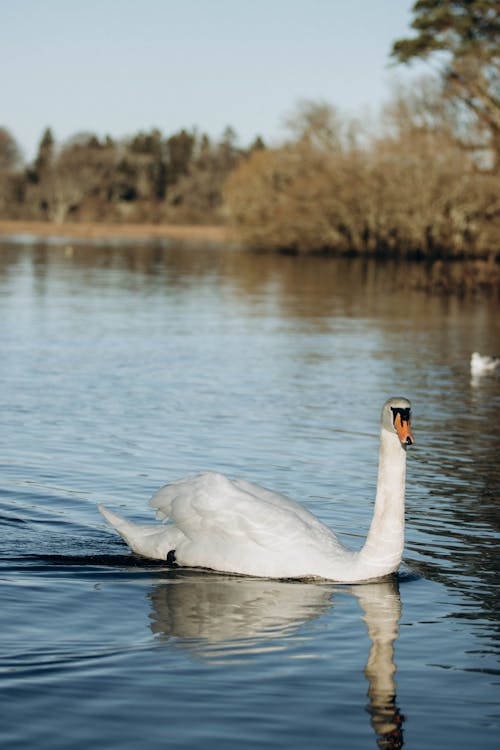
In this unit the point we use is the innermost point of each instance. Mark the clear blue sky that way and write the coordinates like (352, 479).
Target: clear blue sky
(119, 66)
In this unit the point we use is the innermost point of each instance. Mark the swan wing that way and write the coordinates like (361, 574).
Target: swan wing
(237, 526)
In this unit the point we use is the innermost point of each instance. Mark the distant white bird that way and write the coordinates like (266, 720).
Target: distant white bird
(235, 526)
(480, 364)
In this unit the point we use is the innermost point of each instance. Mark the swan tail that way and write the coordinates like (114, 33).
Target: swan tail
(154, 542)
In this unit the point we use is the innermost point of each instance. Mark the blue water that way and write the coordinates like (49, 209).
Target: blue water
(124, 367)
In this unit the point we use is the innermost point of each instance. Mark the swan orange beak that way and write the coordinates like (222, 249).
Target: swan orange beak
(402, 427)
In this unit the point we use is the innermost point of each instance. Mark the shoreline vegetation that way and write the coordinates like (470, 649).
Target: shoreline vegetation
(464, 277)
(420, 183)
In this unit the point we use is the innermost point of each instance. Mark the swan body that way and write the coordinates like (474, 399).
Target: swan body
(235, 526)
(480, 364)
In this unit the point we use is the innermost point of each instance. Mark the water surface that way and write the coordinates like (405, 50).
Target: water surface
(126, 366)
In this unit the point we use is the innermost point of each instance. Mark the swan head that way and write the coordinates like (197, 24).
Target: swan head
(396, 414)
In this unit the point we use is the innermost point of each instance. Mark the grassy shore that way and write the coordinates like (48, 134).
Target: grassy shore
(94, 231)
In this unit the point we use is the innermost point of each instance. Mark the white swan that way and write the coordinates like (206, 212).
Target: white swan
(482, 363)
(235, 526)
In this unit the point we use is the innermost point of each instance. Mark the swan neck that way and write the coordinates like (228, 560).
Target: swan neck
(391, 475)
(383, 548)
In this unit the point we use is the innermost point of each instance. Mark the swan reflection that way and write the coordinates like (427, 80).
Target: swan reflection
(219, 617)
(381, 607)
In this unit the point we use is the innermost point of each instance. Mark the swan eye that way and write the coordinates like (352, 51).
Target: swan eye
(404, 414)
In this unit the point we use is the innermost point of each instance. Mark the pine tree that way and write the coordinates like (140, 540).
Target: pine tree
(463, 37)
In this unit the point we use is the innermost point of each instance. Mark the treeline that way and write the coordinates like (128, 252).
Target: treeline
(407, 185)
(147, 177)
(412, 190)
(404, 185)
(422, 181)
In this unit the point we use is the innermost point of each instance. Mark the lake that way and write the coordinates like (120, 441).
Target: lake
(125, 366)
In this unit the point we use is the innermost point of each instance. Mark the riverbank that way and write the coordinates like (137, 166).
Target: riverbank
(95, 231)
(458, 277)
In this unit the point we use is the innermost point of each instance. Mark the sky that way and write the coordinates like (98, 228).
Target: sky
(121, 66)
